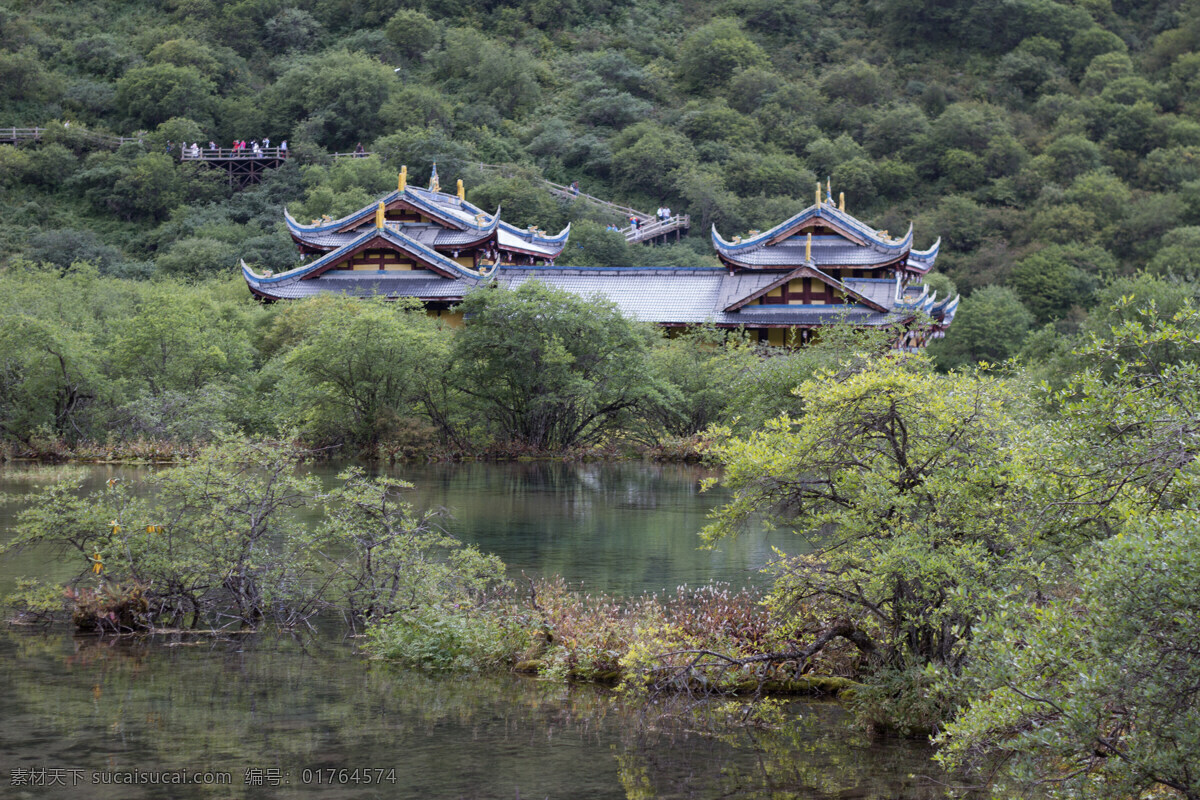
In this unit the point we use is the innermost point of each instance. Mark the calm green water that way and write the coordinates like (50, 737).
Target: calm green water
(282, 717)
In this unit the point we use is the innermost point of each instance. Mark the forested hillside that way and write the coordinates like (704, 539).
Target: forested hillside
(1053, 146)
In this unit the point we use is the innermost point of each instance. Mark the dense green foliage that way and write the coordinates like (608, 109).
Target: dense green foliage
(222, 541)
(105, 367)
(1013, 568)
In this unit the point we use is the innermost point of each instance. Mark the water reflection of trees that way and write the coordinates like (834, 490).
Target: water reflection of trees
(273, 702)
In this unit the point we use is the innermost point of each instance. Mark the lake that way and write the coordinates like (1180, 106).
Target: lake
(277, 716)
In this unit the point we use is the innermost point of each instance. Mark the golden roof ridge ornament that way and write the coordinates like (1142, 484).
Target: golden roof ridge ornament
(403, 183)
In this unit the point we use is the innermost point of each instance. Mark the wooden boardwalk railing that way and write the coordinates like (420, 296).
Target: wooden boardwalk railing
(649, 228)
(653, 230)
(225, 153)
(18, 135)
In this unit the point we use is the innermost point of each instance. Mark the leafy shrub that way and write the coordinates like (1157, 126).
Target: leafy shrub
(443, 638)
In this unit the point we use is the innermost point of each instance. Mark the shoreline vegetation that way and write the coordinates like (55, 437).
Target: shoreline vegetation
(690, 450)
(103, 369)
(989, 556)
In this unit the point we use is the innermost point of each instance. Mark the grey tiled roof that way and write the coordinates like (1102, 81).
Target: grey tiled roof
(694, 296)
(685, 296)
(813, 315)
(823, 255)
(418, 283)
(876, 290)
(330, 239)
(665, 295)
(442, 237)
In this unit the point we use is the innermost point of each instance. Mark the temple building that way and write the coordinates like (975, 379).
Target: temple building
(817, 268)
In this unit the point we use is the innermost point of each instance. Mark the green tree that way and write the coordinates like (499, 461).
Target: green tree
(413, 33)
(1091, 696)
(1179, 254)
(698, 370)
(292, 29)
(593, 246)
(177, 341)
(62, 248)
(153, 94)
(1058, 277)
(549, 369)
(403, 561)
(1088, 690)
(712, 53)
(990, 326)
(197, 257)
(1070, 156)
(646, 156)
(23, 77)
(910, 489)
(340, 94)
(48, 379)
(363, 368)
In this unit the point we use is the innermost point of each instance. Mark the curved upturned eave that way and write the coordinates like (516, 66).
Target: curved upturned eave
(333, 225)
(923, 260)
(824, 212)
(408, 195)
(886, 260)
(559, 239)
(944, 312)
(416, 197)
(257, 283)
(298, 273)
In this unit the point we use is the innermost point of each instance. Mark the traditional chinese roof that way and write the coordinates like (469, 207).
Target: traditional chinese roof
(454, 223)
(849, 244)
(371, 238)
(819, 267)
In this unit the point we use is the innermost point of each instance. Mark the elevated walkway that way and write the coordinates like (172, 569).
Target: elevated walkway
(21, 135)
(649, 229)
(242, 167)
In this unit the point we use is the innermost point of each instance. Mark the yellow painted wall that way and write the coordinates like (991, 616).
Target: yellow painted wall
(796, 287)
(451, 318)
(466, 261)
